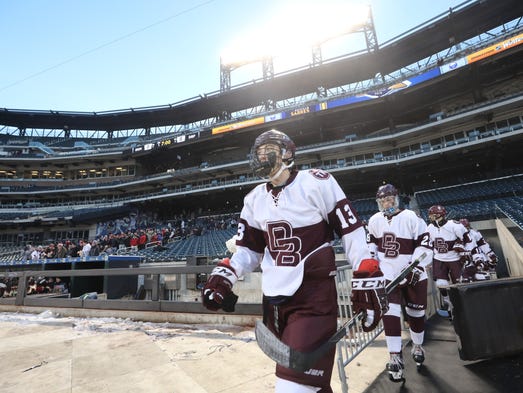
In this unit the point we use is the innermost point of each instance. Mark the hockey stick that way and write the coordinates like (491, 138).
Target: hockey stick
(302, 361)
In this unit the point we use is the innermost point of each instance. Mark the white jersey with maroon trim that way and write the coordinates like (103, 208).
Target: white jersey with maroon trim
(479, 246)
(446, 238)
(397, 240)
(290, 229)
(480, 241)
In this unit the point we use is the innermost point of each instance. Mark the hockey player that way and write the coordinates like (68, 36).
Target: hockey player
(397, 237)
(287, 225)
(484, 258)
(449, 239)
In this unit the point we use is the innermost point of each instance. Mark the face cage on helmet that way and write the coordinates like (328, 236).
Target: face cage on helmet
(436, 218)
(263, 169)
(465, 222)
(391, 210)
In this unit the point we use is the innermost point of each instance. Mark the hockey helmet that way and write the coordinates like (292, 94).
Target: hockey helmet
(272, 152)
(385, 191)
(437, 213)
(465, 222)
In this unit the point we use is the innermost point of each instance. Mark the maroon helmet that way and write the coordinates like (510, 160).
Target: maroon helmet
(287, 152)
(465, 222)
(437, 213)
(384, 191)
(437, 210)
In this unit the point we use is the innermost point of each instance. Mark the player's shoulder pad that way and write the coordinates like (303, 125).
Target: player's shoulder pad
(319, 174)
(255, 190)
(411, 213)
(375, 216)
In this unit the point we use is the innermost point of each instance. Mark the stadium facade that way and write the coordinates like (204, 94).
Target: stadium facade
(437, 108)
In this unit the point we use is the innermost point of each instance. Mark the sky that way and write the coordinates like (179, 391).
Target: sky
(105, 55)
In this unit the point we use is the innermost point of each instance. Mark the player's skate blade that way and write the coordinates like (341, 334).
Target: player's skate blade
(445, 311)
(418, 355)
(395, 368)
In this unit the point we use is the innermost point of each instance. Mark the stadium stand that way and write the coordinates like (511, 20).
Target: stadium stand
(437, 111)
(443, 123)
(477, 200)
(456, 120)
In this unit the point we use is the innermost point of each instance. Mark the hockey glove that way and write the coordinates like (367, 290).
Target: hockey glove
(465, 257)
(459, 247)
(492, 260)
(481, 270)
(413, 277)
(480, 264)
(469, 271)
(217, 292)
(368, 293)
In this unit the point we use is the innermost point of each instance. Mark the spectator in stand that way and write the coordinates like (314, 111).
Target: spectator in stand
(35, 255)
(61, 251)
(153, 238)
(159, 238)
(142, 241)
(50, 251)
(26, 253)
(112, 242)
(85, 247)
(95, 248)
(166, 233)
(49, 284)
(3, 286)
(60, 286)
(134, 242)
(127, 239)
(72, 249)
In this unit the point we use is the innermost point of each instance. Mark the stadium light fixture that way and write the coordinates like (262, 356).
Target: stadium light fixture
(294, 29)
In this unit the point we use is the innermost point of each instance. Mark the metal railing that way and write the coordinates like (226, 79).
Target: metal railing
(356, 339)
(348, 347)
(158, 298)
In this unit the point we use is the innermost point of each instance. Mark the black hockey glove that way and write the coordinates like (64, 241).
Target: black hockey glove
(217, 292)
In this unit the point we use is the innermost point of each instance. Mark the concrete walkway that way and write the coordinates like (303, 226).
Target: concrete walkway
(444, 371)
(45, 353)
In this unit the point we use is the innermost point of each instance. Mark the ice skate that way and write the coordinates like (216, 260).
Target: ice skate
(418, 355)
(445, 311)
(395, 367)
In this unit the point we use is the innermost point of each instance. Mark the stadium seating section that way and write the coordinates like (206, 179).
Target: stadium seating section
(476, 201)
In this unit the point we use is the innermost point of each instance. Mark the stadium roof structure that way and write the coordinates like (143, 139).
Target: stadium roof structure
(457, 25)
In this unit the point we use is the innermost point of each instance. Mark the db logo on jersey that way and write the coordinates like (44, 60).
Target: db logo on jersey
(319, 174)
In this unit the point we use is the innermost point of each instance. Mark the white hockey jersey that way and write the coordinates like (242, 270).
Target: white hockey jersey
(479, 247)
(397, 240)
(290, 229)
(447, 238)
